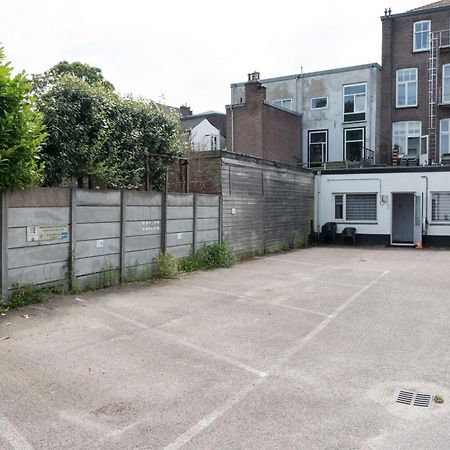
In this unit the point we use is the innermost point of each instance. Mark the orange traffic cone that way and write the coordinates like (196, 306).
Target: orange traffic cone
(419, 245)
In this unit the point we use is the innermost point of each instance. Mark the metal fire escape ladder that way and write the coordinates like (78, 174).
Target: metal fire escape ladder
(433, 64)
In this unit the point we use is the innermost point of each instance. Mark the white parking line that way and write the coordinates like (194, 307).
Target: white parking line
(181, 341)
(204, 423)
(211, 418)
(260, 302)
(12, 436)
(292, 261)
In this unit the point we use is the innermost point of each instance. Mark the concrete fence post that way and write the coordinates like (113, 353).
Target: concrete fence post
(123, 221)
(73, 239)
(220, 237)
(4, 245)
(163, 221)
(194, 223)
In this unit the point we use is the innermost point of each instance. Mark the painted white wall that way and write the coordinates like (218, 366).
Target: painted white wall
(302, 88)
(383, 184)
(200, 136)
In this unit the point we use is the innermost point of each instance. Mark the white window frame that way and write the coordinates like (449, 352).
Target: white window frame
(415, 33)
(354, 103)
(407, 135)
(279, 102)
(437, 222)
(406, 83)
(214, 142)
(442, 133)
(363, 129)
(445, 92)
(344, 207)
(310, 133)
(319, 98)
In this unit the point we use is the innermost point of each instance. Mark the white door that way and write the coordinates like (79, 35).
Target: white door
(417, 218)
(423, 157)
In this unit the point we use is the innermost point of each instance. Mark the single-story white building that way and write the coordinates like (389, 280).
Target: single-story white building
(386, 205)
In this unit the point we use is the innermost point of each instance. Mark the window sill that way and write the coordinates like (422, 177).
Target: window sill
(407, 107)
(440, 224)
(340, 222)
(422, 50)
(355, 121)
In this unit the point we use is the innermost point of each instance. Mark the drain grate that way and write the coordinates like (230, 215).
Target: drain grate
(405, 397)
(414, 399)
(423, 400)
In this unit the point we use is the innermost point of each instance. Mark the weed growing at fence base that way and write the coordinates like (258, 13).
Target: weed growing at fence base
(213, 256)
(166, 266)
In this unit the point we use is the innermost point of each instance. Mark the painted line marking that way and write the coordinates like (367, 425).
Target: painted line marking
(181, 341)
(300, 280)
(12, 436)
(322, 325)
(184, 342)
(204, 423)
(261, 302)
(322, 265)
(212, 417)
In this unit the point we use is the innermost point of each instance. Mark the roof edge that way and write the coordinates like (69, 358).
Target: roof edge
(312, 74)
(416, 12)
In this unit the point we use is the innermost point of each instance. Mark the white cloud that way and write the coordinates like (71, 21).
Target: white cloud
(190, 52)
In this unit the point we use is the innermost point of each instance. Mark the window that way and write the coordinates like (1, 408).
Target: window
(339, 207)
(406, 88)
(355, 207)
(440, 206)
(355, 102)
(319, 103)
(214, 142)
(422, 35)
(354, 144)
(444, 136)
(446, 83)
(318, 146)
(407, 136)
(285, 103)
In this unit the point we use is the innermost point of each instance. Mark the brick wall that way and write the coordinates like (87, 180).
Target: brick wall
(260, 129)
(397, 53)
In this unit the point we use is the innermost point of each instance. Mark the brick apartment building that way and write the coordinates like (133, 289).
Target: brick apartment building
(415, 84)
(259, 128)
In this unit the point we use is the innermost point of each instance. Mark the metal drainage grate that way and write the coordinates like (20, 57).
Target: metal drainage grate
(411, 398)
(405, 397)
(423, 400)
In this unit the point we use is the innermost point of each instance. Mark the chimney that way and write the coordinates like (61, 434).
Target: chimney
(254, 90)
(185, 111)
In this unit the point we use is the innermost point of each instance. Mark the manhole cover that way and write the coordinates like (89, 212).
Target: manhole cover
(413, 399)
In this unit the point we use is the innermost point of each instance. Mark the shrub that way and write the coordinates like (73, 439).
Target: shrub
(21, 131)
(25, 295)
(166, 266)
(209, 257)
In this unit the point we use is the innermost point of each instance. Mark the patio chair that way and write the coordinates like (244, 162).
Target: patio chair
(349, 234)
(329, 231)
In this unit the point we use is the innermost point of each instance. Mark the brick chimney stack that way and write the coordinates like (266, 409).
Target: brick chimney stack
(254, 90)
(185, 111)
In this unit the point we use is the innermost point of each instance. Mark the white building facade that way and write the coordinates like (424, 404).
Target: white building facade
(339, 109)
(391, 205)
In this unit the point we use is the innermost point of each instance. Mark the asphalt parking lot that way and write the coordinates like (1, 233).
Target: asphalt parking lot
(306, 349)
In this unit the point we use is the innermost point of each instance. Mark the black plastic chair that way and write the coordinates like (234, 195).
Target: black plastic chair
(349, 233)
(329, 231)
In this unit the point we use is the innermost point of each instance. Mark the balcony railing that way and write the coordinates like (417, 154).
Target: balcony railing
(367, 160)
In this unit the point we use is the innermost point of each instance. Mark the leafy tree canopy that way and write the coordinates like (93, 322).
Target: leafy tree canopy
(94, 132)
(21, 131)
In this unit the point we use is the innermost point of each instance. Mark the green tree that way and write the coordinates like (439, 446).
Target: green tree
(21, 131)
(93, 132)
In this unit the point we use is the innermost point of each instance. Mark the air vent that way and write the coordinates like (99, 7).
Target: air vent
(414, 399)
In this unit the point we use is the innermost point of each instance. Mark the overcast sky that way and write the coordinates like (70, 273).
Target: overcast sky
(188, 52)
